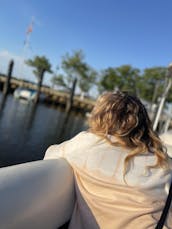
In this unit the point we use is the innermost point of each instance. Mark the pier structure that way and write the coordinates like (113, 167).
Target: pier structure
(51, 95)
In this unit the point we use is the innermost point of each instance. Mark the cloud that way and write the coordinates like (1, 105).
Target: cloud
(6, 55)
(21, 70)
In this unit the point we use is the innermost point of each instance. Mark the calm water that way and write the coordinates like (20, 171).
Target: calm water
(27, 130)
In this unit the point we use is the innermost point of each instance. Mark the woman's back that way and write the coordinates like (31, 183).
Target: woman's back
(121, 168)
(98, 169)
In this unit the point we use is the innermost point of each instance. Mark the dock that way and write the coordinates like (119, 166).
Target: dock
(51, 95)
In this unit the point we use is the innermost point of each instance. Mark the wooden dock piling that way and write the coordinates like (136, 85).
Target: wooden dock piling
(69, 102)
(6, 86)
(40, 79)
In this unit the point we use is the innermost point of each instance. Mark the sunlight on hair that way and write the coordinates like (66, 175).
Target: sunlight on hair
(123, 116)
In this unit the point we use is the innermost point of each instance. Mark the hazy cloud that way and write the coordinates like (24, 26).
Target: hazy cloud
(21, 70)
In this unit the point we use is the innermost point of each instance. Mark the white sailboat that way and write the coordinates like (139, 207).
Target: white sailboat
(25, 93)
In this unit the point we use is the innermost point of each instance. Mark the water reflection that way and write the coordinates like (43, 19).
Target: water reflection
(2, 103)
(26, 130)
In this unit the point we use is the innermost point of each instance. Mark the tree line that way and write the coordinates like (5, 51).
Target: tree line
(148, 84)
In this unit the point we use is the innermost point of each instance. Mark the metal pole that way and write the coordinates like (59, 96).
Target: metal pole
(167, 124)
(163, 98)
(155, 94)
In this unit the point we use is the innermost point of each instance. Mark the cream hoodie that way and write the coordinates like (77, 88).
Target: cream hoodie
(104, 200)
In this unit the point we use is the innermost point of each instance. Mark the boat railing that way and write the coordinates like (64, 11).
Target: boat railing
(36, 195)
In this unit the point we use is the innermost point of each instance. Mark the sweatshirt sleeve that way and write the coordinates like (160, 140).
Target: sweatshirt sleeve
(65, 149)
(55, 151)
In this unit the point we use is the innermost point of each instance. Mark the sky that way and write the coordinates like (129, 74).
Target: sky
(110, 32)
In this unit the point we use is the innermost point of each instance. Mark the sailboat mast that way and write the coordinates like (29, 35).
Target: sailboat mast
(26, 45)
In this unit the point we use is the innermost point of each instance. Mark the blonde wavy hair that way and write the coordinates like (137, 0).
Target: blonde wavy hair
(123, 116)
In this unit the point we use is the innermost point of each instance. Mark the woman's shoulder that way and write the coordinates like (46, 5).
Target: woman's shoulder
(82, 140)
(85, 136)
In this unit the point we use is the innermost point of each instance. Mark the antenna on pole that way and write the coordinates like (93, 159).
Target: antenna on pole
(28, 34)
(26, 45)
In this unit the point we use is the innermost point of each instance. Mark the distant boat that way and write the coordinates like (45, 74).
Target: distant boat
(25, 93)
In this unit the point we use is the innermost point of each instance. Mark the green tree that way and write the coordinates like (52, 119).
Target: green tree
(129, 78)
(87, 79)
(41, 65)
(109, 80)
(58, 80)
(152, 83)
(124, 77)
(74, 67)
